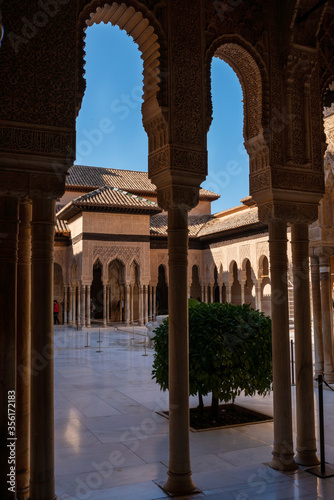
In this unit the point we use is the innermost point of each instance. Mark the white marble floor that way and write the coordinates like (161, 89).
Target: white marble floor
(112, 445)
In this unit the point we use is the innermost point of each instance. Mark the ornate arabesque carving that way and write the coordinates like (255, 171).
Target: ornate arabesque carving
(107, 253)
(186, 74)
(33, 54)
(178, 197)
(177, 159)
(296, 213)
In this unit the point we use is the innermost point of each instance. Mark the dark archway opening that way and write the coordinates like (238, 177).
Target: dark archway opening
(162, 292)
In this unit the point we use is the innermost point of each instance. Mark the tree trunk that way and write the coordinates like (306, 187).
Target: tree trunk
(214, 407)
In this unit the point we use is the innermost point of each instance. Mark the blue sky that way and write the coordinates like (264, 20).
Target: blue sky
(109, 126)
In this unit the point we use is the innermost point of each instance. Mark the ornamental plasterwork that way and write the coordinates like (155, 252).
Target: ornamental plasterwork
(125, 254)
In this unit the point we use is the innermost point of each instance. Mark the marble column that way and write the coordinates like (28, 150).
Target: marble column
(131, 304)
(88, 308)
(42, 481)
(220, 293)
(70, 312)
(79, 306)
(179, 453)
(145, 304)
(229, 292)
(127, 305)
(327, 319)
(306, 441)
(243, 286)
(150, 303)
(283, 443)
(258, 296)
(141, 305)
(104, 305)
(206, 294)
(65, 304)
(108, 304)
(9, 225)
(154, 289)
(202, 294)
(317, 319)
(23, 352)
(74, 306)
(83, 305)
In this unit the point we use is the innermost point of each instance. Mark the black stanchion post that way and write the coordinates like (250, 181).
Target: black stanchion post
(292, 364)
(320, 471)
(321, 424)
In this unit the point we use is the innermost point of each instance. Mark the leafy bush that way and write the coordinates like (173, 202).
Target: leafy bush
(229, 351)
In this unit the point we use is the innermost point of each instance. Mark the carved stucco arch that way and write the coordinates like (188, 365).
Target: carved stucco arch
(244, 267)
(253, 78)
(139, 23)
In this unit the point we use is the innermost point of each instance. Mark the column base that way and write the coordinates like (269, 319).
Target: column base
(307, 458)
(23, 494)
(283, 462)
(180, 484)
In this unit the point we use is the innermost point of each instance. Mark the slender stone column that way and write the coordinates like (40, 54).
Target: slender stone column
(179, 453)
(243, 286)
(229, 292)
(127, 305)
(23, 352)
(258, 297)
(42, 482)
(317, 319)
(145, 304)
(202, 294)
(220, 293)
(104, 305)
(212, 293)
(70, 312)
(108, 302)
(327, 320)
(65, 304)
(141, 305)
(131, 304)
(79, 306)
(306, 442)
(283, 443)
(206, 294)
(150, 304)
(154, 288)
(9, 224)
(74, 306)
(83, 305)
(88, 311)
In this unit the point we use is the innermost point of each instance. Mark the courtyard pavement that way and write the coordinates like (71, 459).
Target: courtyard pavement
(112, 445)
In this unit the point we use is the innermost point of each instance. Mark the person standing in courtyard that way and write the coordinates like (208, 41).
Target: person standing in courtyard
(55, 312)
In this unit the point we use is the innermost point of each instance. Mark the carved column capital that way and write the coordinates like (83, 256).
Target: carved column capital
(185, 197)
(284, 211)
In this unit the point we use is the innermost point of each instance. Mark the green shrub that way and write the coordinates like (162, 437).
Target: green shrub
(229, 351)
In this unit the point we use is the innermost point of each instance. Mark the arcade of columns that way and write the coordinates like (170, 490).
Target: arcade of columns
(78, 299)
(280, 52)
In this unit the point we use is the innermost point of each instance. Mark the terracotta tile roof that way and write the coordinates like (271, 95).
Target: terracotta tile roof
(108, 199)
(61, 225)
(159, 224)
(207, 225)
(86, 178)
(231, 221)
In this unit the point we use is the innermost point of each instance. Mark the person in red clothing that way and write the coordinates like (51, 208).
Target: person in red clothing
(55, 312)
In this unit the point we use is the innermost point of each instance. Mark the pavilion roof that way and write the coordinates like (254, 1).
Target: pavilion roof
(108, 199)
(86, 178)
